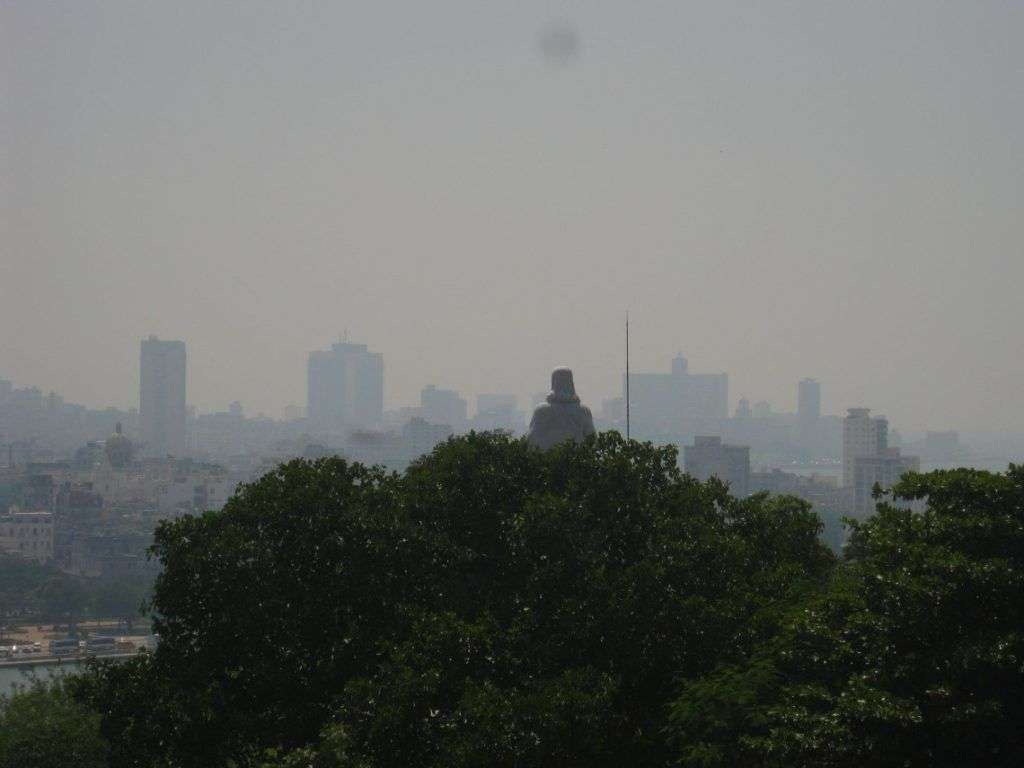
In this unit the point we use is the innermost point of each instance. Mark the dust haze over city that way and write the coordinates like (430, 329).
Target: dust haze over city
(253, 254)
(806, 189)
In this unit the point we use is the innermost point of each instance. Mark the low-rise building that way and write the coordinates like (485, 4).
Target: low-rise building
(110, 553)
(28, 535)
(420, 437)
(828, 499)
(443, 406)
(710, 457)
(499, 412)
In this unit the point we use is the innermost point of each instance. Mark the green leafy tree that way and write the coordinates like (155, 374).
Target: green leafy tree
(913, 656)
(63, 598)
(43, 726)
(494, 605)
(20, 583)
(120, 598)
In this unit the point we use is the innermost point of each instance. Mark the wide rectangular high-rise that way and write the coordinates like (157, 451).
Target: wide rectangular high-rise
(665, 402)
(345, 388)
(162, 373)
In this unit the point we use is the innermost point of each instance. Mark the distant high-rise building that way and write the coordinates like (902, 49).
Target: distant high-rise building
(883, 470)
(443, 406)
(862, 436)
(345, 388)
(867, 458)
(942, 447)
(743, 409)
(808, 401)
(710, 457)
(162, 397)
(663, 401)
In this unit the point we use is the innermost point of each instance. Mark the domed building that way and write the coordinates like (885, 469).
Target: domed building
(119, 449)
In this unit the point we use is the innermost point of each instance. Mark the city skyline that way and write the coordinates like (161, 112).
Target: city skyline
(824, 189)
(556, 382)
(806, 399)
(791, 405)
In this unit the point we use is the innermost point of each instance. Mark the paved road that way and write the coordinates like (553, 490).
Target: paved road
(45, 660)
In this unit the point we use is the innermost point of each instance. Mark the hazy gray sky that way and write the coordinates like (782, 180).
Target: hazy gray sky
(778, 189)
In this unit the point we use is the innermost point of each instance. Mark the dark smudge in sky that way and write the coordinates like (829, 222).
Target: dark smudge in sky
(559, 44)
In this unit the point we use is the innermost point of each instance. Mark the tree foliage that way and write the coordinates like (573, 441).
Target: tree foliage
(21, 581)
(913, 655)
(42, 726)
(587, 606)
(493, 605)
(29, 590)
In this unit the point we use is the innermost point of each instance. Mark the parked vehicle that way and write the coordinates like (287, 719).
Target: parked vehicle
(66, 647)
(96, 645)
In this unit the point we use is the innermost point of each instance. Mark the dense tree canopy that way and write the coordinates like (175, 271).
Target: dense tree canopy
(587, 606)
(42, 726)
(493, 605)
(912, 656)
(29, 590)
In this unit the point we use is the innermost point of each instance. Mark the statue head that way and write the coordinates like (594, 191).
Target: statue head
(562, 388)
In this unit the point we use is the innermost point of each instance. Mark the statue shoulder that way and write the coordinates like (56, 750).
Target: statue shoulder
(542, 413)
(588, 420)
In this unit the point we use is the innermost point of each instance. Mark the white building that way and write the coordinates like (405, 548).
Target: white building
(868, 460)
(863, 435)
(884, 471)
(194, 493)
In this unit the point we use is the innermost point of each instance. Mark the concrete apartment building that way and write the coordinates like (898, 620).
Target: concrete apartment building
(28, 535)
(868, 459)
(710, 457)
(884, 470)
(863, 435)
(345, 388)
(162, 415)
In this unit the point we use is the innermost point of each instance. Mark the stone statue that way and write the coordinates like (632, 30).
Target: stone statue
(561, 417)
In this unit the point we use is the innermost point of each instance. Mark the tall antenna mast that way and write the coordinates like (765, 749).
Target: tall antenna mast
(627, 375)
